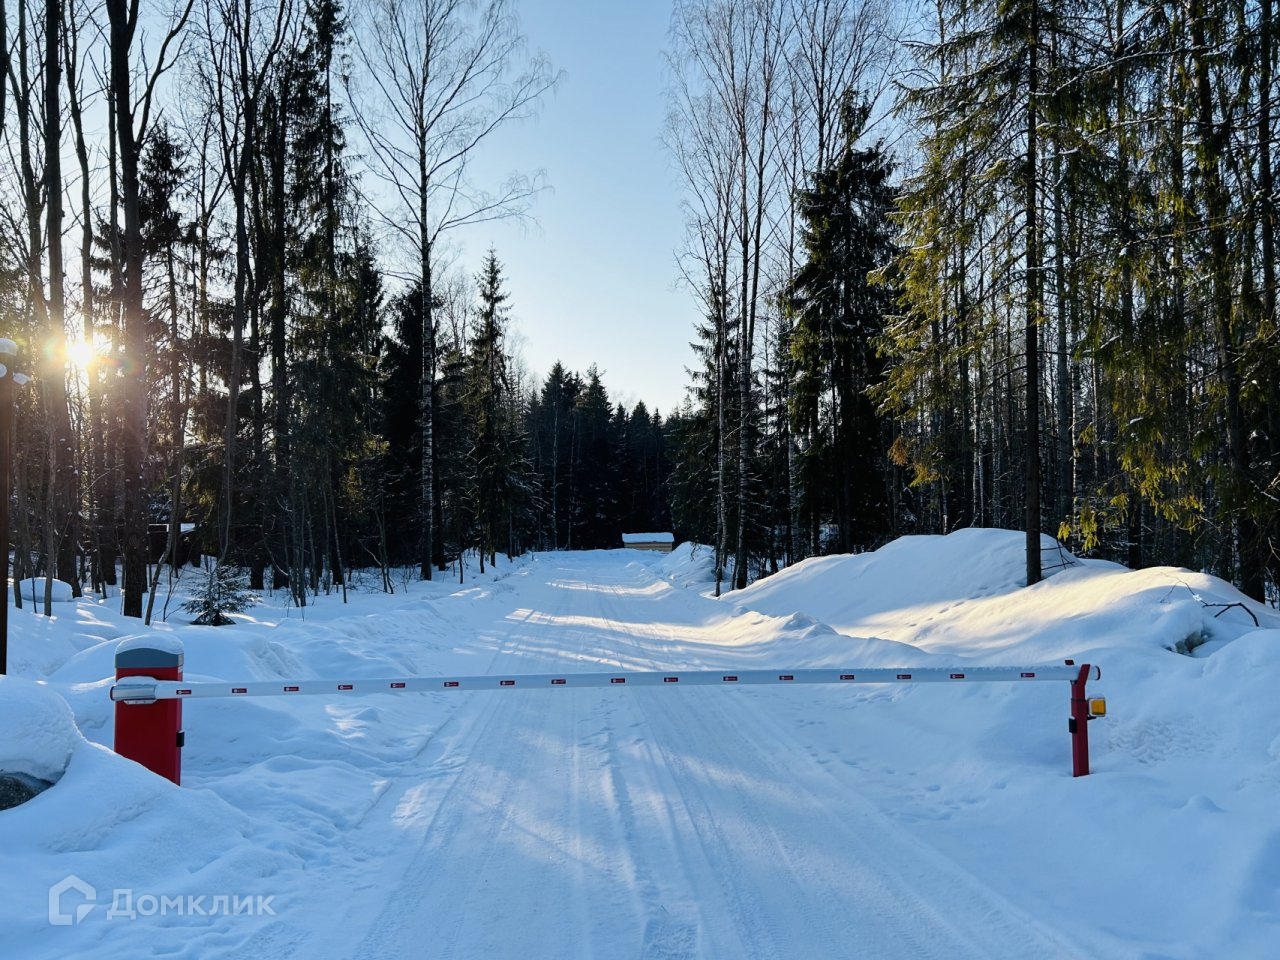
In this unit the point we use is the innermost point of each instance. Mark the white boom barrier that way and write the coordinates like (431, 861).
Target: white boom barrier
(147, 690)
(150, 689)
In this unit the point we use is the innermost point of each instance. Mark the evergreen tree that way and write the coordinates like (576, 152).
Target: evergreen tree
(493, 456)
(554, 431)
(595, 520)
(838, 315)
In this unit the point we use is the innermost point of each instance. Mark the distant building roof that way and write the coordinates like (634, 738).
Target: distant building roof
(648, 538)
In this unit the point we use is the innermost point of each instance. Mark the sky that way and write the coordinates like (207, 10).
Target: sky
(593, 278)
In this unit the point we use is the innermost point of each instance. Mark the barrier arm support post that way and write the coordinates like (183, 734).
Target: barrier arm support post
(150, 732)
(1079, 723)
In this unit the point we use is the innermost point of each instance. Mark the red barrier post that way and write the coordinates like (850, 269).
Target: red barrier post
(151, 733)
(1079, 723)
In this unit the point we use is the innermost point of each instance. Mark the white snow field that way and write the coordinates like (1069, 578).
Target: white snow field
(903, 821)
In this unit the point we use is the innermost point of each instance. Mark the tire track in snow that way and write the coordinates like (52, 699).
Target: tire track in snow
(665, 825)
(507, 799)
(956, 916)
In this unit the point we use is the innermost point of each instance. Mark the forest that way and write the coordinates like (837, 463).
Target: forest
(958, 264)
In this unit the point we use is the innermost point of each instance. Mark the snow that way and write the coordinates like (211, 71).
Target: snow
(959, 595)
(911, 821)
(688, 565)
(33, 591)
(170, 644)
(648, 538)
(38, 734)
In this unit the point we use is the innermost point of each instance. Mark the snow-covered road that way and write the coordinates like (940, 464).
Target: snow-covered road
(647, 823)
(885, 822)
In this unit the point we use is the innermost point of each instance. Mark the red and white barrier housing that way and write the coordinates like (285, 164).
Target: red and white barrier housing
(151, 732)
(133, 689)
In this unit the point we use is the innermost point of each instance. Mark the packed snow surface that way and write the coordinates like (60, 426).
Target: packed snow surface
(880, 821)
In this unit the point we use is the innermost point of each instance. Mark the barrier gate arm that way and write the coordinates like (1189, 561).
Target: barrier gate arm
(149, 690)
(148, 702)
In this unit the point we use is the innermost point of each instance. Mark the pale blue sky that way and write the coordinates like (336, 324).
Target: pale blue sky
(593, 280)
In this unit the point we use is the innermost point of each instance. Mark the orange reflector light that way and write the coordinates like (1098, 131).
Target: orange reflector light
(1097, 706)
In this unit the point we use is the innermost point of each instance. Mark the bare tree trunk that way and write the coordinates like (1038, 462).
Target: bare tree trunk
(427, 385)
(133, 386)
(177, 413)
(94, 487)
(123, 25)
(1031, 435)
(54, 384)
(239, 315)
(1064, 501)
(1214, 142)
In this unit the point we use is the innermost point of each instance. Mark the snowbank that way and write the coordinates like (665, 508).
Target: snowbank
(37, 730)
(963, 595)
(33, 591)
(688, 565)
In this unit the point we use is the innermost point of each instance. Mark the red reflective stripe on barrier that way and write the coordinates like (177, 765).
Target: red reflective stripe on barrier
(144, 693)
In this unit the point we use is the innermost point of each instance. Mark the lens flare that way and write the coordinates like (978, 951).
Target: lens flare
(82, 354)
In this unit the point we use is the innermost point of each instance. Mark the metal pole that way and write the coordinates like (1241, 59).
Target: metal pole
(1079, 723)
(8, 357)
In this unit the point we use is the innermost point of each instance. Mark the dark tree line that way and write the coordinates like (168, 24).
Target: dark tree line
(546, 466)
(1017, 271)
(1070, 321)
(1089, 320)
(237, 350)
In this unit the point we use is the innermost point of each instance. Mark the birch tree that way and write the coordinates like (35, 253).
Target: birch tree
(442, 76)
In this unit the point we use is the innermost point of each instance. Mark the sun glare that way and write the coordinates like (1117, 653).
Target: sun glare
(81, 353)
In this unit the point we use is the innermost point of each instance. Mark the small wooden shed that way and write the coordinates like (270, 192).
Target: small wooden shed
(657, 542)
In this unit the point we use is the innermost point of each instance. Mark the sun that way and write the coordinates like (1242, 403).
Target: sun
(82, 354)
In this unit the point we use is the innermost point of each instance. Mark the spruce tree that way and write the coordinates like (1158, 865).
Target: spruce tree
(492, 456)
(838, 315)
